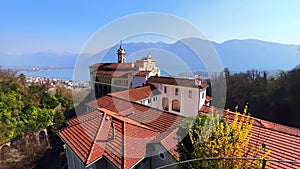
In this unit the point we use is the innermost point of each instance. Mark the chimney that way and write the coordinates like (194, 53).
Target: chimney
(197, 81)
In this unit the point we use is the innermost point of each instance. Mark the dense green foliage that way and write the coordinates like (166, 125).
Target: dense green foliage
(28, 107)
(273, 98)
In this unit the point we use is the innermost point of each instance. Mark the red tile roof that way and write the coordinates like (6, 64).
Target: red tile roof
(136, 93)
(115, 73)
(176, 81)
(283, 141)
(142, 73)
(208, 98)
(113, 66)
(169, 140)
(154, 118)
(80, 137)
(121, 72)
(132, 120)
(82, 118)
(110, 103)
(91, 139)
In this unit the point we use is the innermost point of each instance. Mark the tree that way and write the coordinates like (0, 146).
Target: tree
(58, 121)
(212, 136)
(49, 101)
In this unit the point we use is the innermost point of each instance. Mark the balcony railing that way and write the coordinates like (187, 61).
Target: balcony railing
(264, 161)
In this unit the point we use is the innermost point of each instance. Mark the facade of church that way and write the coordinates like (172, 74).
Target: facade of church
(113, 77)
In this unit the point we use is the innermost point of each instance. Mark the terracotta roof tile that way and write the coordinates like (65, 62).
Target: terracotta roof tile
(135, 125)
(283, 141)
(142, 73)
(79, 138)
(110, 103)
(137, 93)
(176, 81)
(112, 66)
(208, 98)
(136, 139)
(82, 118)
(121, 72)
(169, 140)
(114, 73)
(98, 138)
(154, 118)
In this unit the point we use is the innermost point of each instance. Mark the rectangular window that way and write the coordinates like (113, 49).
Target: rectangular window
(190, 94)
(154, 99)
(149, 100)
(165, 89)
(203, 95)
(176, 91)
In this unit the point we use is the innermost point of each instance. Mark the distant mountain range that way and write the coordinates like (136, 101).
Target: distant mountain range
(237, 55)
(40, 59)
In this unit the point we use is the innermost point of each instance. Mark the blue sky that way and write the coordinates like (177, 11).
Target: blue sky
(65, 25)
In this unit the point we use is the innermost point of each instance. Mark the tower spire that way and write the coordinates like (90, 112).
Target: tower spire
(121, 46)
(121, 54)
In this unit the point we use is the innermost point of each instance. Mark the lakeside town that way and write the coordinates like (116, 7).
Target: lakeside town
(132, 100)
(52, 82)
(149, 84)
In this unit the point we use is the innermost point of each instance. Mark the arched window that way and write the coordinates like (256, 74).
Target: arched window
(176, 105)
(165, 103)
(5, 152)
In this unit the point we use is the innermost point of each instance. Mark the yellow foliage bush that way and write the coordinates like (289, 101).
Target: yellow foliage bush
(214, 136)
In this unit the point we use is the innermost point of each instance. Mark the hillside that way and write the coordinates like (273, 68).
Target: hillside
(237, 55)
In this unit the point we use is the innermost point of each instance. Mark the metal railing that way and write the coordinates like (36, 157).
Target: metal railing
(264, 161)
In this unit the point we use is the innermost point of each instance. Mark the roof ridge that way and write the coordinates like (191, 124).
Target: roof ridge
(281, 125)
(172, 77)
(81, 121)
(129, 121)
(94, 142)
(263, 123)
(76, 124)
(141, 125)
(123, 91)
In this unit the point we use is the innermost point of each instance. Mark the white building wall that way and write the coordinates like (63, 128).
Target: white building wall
(202, 97)
(154, 101)
(188, 106)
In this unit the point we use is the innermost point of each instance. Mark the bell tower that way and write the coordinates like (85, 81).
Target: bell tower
(121, 54)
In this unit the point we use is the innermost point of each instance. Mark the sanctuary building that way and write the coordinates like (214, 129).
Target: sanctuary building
(133, 122)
